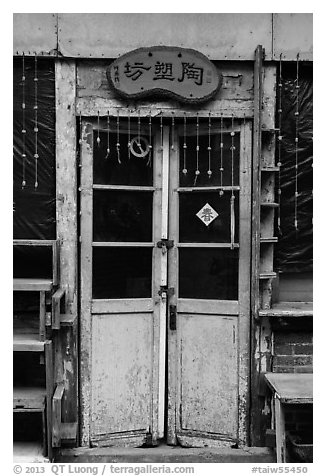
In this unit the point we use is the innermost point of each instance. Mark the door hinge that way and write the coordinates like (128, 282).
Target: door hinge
(164, 243)
(166, 290)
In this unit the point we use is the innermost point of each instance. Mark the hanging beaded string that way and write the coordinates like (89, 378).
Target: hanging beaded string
(80, 129)
(221, 155)
(129, 138)
(296, 194)
(184, 170)
(209, 148)
(197, 171)
(138, 139)
(24, 126)
(36, 156)
(279, 143)
(118, 137)
(232, 133)
(172, 132)
(98, 140)
(108, 147)
(150, 147)
(161, 129)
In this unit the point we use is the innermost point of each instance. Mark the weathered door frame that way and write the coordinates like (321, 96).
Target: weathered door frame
(157, 304)
(242, 307)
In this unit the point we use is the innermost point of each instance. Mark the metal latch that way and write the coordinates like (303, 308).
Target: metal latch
(164, 243)
(166, 290)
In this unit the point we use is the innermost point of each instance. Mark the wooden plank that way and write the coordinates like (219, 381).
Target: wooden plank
(91, 106)
(56, 415)
(86, 225)
(173, 400)
(207, 306)
(42, 315)
(124, 244)
(237, 87)
(27, 343)
(280, 431)
(27, 284)
(66, 220)
(291, 388)
(206, 245)
(66, 177)
(207, 189)
(57, 299)
(244, 286)
(121, 306)
(255, 249)
(19, 242)
(29, 398)
(48, 351)
(164, 217)
(55, 262)
(131, 188)
(289, 309)
(267, 275)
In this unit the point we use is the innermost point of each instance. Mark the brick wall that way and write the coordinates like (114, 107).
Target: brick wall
(292, 351)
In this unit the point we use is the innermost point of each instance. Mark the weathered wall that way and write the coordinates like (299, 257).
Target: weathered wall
(220, 36)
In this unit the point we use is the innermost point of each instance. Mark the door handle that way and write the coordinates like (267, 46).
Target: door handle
(173, 317)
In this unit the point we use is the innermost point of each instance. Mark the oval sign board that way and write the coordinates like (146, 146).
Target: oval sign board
(183, 74)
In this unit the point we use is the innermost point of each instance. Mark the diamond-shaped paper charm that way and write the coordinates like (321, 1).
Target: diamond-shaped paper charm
(207, 214)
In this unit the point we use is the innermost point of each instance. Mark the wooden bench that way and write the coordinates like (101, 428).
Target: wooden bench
(287, 389)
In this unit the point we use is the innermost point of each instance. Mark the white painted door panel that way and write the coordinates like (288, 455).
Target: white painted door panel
(122, 370)
(209, 389)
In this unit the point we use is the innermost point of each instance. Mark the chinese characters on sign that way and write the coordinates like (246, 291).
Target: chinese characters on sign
(180, 72)
(207, 214)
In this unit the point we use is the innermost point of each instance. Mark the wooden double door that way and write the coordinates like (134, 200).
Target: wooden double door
(165, 281)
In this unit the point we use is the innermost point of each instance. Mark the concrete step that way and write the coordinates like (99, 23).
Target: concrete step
(166, 454)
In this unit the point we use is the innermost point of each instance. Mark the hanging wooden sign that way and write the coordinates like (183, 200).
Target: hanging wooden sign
(184, 74)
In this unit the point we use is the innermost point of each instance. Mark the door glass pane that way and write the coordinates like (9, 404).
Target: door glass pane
(125, 169)
(194, 228)
(208, 273)
(190, 163)
(122, 216)
(122, 272)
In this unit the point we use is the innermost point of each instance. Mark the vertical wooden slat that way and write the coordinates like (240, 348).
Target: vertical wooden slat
(86, 198)
(173, 351)
(66, 214)
(255, 235)
(157, 224)
(42, 314)
(244, 283)
(56, 416)
(164, 213)
(49, 393)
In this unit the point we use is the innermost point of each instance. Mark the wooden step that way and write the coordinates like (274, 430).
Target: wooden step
(28, 452)
(267, 275)
(29, 284)
(29, 398)
(27, 343)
